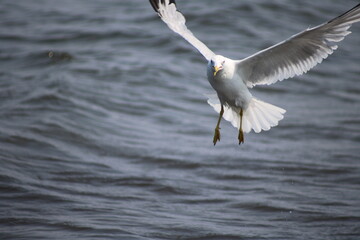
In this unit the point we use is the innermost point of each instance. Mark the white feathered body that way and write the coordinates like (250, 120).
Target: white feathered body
(228, 85)
(234, 95)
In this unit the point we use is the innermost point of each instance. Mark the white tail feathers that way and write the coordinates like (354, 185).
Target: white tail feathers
(258, 116)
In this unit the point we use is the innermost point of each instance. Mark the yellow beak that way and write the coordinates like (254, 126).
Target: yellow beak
(216, 69)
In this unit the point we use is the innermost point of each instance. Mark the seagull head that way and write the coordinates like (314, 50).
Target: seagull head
(217, 63)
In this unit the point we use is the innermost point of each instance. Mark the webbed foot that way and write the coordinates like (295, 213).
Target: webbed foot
(216, 135)
(241, 136)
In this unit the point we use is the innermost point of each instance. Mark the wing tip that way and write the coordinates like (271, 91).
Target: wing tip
(345, 13)
(155, 3)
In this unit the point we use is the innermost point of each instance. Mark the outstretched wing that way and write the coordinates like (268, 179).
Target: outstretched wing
(176, 22)
(298, 54)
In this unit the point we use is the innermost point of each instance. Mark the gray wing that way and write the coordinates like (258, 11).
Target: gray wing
(298, 54)
(176, 22)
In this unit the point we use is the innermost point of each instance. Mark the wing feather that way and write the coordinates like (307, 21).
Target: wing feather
(176, 21)
(299, 53)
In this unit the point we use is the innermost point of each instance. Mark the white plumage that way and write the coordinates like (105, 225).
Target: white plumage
(258, 116)
(232, 78)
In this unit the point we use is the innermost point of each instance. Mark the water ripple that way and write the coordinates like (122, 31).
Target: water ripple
(105, 132)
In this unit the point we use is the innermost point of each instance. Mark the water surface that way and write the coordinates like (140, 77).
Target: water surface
(105, 132)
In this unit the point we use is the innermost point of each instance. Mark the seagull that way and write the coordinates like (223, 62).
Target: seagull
(231, 79)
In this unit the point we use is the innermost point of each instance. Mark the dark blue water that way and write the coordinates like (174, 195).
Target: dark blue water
(105, 132)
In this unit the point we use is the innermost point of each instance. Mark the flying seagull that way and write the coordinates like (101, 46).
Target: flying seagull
(232, 78)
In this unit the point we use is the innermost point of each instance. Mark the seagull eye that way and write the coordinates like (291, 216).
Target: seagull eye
(212, 62)
(223, 62)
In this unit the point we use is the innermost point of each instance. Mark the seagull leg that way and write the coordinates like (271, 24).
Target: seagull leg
(217, 128)
(241, 133)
